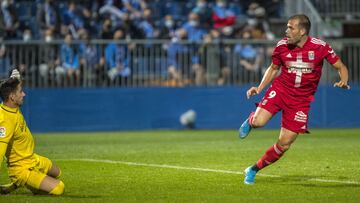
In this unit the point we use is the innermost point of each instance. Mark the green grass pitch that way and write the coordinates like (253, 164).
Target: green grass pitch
(198, 166)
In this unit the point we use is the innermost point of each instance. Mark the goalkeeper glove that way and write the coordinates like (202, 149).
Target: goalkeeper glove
(15, 74)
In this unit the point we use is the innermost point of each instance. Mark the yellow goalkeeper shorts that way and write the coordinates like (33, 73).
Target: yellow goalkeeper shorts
(30, 174)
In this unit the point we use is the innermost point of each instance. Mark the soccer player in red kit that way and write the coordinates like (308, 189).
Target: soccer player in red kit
(300, 58)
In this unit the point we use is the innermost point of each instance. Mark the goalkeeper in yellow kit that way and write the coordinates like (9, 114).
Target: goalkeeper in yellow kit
(25, 168)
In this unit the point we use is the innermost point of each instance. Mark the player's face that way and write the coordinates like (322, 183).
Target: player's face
(17, 97)
(293, 32)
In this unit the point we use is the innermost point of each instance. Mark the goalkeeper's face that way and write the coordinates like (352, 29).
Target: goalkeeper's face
(17, 97)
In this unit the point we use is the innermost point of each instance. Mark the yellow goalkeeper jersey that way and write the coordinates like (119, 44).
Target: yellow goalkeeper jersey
(16, 137)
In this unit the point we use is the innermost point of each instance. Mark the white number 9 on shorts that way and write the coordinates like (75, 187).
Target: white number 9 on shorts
(272, 94)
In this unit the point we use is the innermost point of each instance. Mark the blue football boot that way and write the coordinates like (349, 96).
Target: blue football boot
(245, 129)
(249, 176)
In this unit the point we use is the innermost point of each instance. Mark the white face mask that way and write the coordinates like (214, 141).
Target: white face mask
(252, 21)
(48, 38)
(220, 4)
(169, 23)
(26, 37)
(193, 23)
(4, 4)
(201, 4)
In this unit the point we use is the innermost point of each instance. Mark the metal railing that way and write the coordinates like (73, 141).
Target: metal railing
(153, 63)
(338, 8)
(306, 7)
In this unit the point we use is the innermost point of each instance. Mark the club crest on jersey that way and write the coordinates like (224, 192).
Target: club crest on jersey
(2, 132)
(311, 55)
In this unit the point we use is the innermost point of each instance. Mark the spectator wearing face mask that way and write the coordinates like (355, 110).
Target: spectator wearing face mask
(168, 28)
(222, 15)
(48, 17)
(193, 29)
(204, 11)
(249, 57)
(69, 67)
(257, 20)
(9, 19)
(147, 25)
(107, 29)
(176, 53)
(4, 59)
(195, 34)
(48, 59)
(27, 35)
(117, 60)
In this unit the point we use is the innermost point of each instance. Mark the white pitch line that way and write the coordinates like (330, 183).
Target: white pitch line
(199, 169)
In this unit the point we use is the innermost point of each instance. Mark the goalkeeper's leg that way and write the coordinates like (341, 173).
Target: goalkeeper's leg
(40, 183)
(43, 179)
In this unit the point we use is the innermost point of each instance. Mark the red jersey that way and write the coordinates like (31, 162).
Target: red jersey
(301, 67)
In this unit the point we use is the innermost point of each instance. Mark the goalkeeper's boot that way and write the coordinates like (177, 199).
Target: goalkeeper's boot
(245, 128)
(249, 175)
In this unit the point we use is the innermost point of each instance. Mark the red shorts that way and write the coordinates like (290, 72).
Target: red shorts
(294, 111)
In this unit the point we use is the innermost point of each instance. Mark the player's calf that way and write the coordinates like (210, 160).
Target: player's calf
(59, 189)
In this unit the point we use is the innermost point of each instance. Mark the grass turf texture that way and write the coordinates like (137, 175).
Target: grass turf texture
(329, 155)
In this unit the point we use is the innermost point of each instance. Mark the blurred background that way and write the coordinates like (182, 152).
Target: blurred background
(106, 65)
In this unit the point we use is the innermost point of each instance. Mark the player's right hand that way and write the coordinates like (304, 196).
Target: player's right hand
(252, 91)
(342, 84)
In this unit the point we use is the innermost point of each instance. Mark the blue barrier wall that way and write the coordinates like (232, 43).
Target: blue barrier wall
(159, 108)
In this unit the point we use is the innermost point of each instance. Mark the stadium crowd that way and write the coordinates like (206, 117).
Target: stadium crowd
(78, 23)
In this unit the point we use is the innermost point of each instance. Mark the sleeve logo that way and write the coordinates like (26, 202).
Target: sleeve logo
(2, 132)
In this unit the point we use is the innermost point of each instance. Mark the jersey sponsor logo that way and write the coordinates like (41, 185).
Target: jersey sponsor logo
(2, 132)
(300, 117)
(299, 66)
(288, 56)
(311, 55)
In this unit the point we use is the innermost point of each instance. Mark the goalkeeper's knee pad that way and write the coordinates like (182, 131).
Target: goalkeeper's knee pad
(58, 190)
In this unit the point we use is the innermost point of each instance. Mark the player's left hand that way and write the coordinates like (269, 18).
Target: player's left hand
(342, 84)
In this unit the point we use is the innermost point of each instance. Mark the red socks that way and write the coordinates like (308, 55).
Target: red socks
(271, 155)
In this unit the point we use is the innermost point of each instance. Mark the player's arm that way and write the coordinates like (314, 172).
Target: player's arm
(5, 189)
(343, 73)
(268, 77)
(3, 147)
